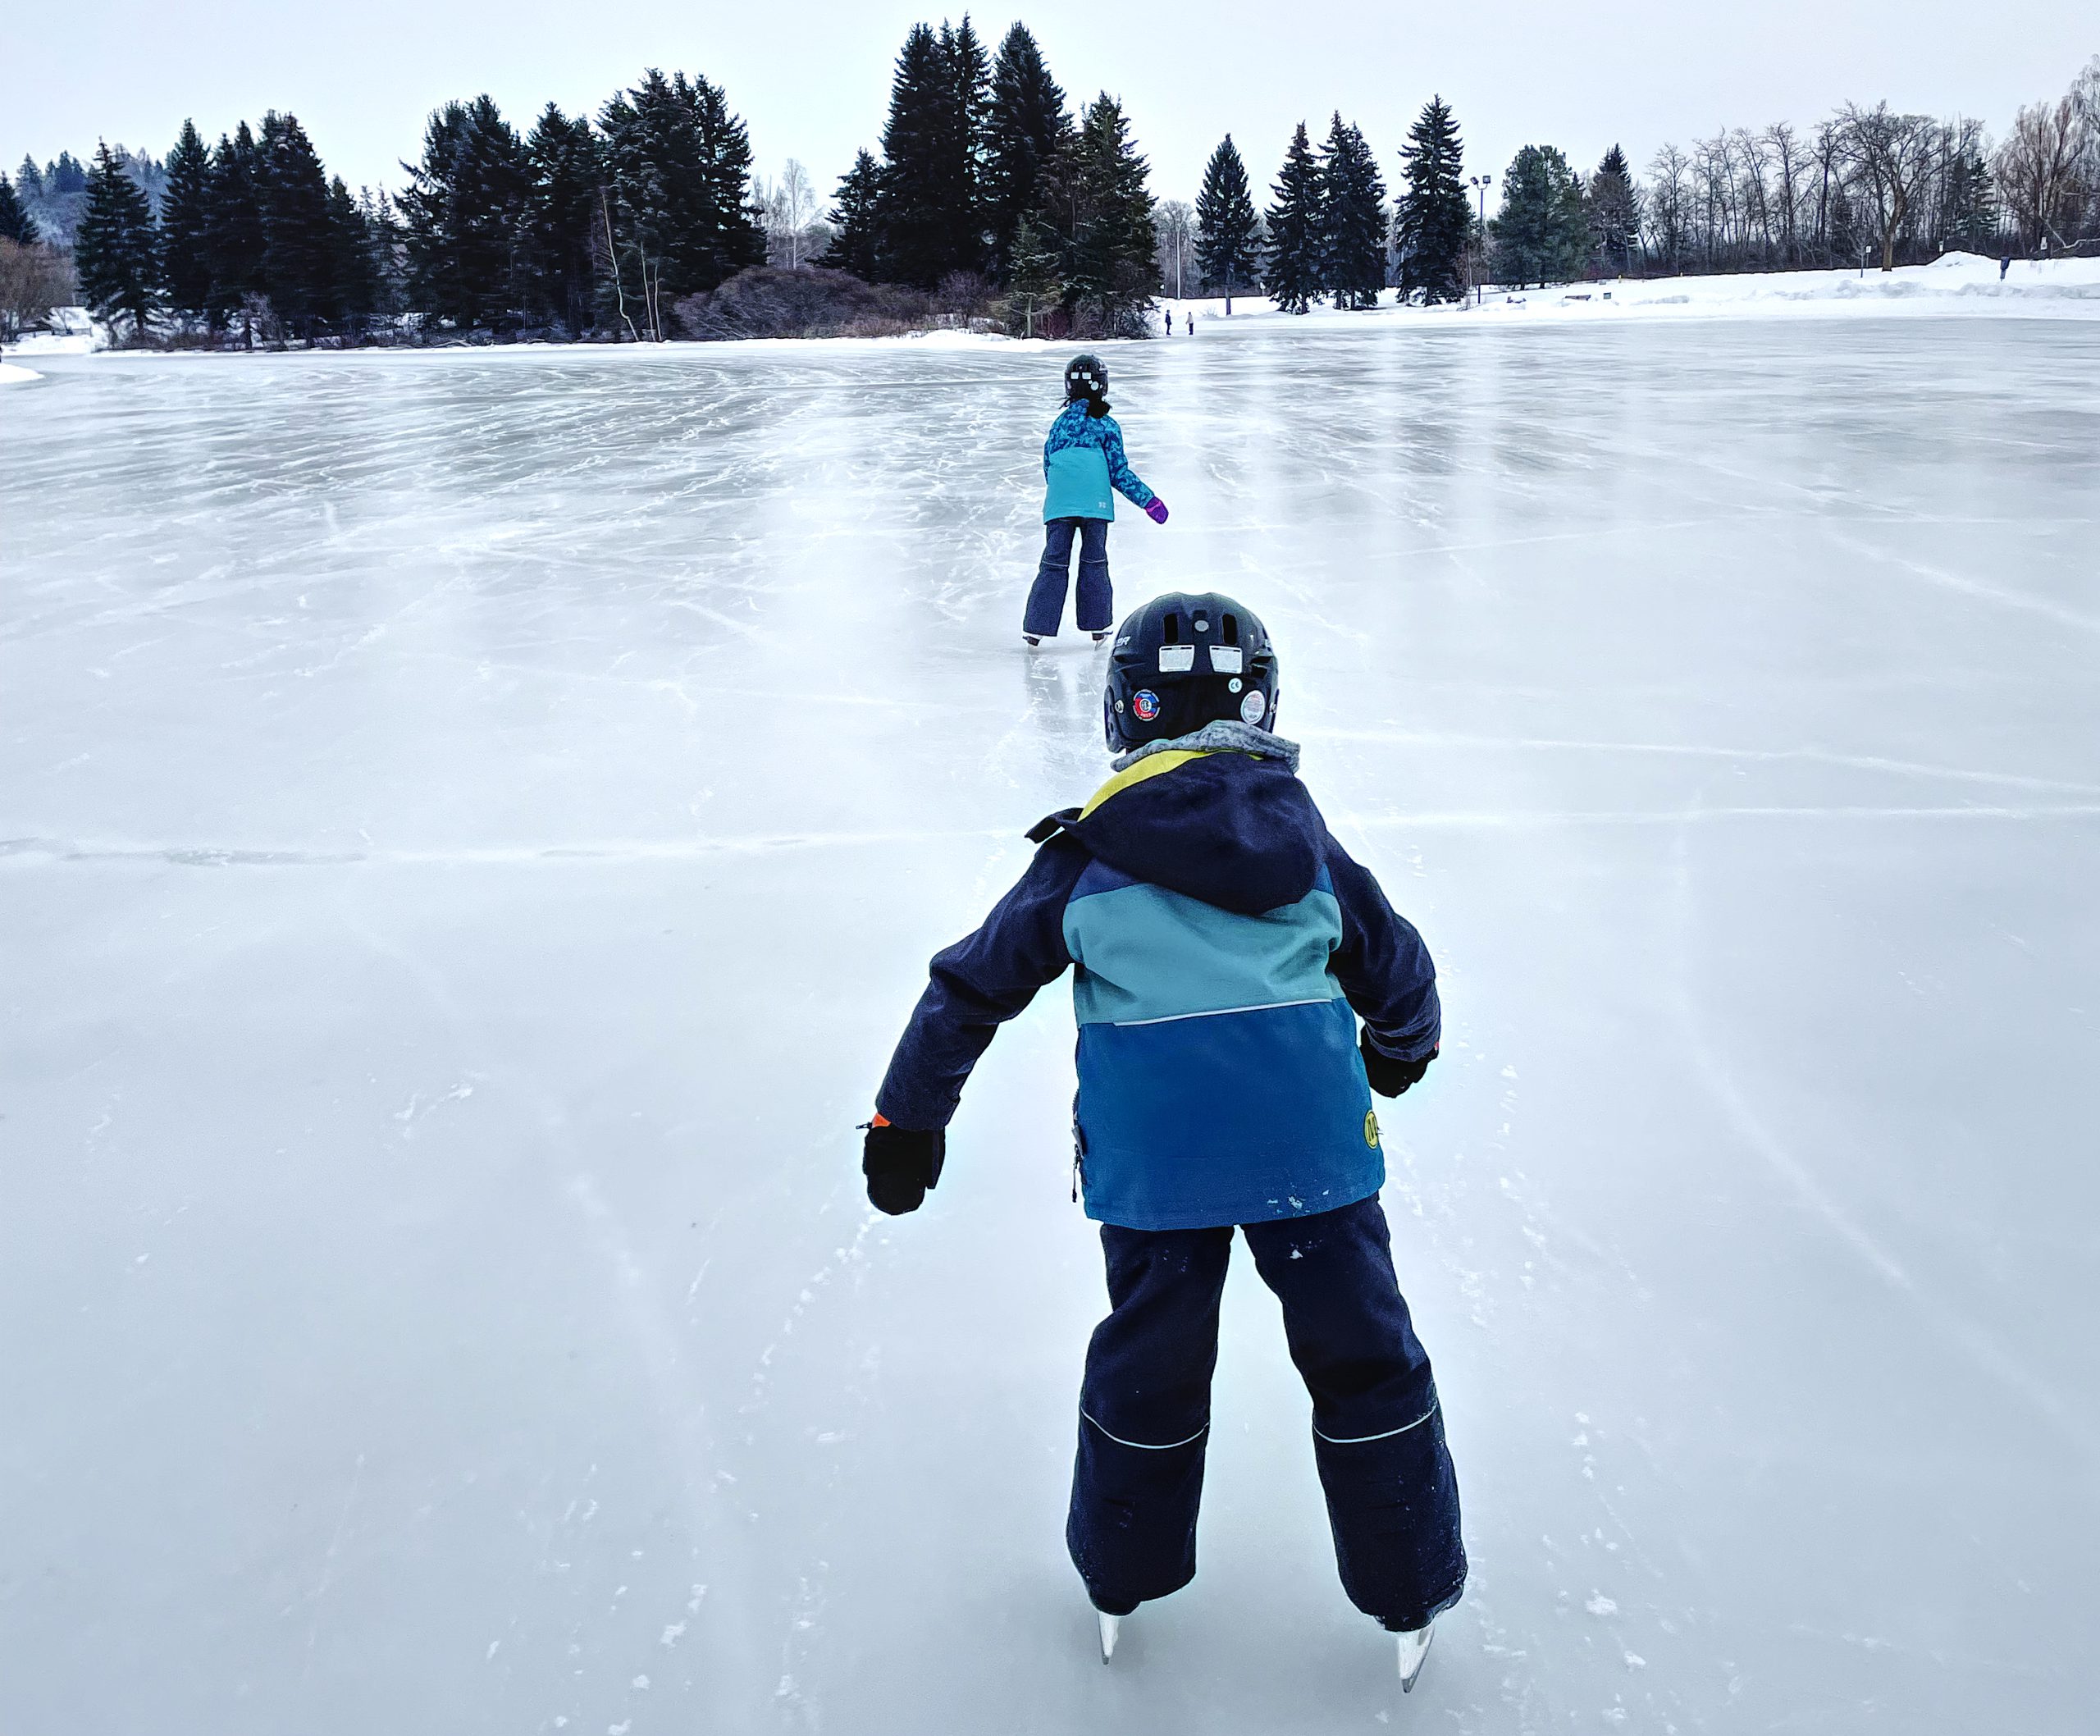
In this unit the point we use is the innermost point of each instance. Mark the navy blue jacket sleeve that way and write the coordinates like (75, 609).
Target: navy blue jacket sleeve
(977, 984)
(1382, 966)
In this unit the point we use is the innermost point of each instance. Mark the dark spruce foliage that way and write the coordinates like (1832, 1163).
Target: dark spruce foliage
(1541, 234)
(564, 219)
(931, 203)
(1297, 229)
(1434, 217)
(234, 242)
(1025, 129)
(856, 221)
(678, 164)
(1614, 212)
(298, 248)
(115, 249)
(185, 223)
(16, 225)
(1228, 229)
(462, 213)
(1354, 219)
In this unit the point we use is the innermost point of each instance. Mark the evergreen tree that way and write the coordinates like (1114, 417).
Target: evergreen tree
(856, 221)
(1227, 245)
(1297, 226)
(1972, 210)
(298, 245)
(16, 225)
(1434, 218)
(931, 199)
(1541, 234)
(1353, 232)
(234, 240)
(116, 251)
(185, 217)
(354, 274)
(564, 218)
(969, 81)
(1023, 131)
(1614, 212)
(1112, 272)
(1032, 279)
(463, 210)
(678, 164)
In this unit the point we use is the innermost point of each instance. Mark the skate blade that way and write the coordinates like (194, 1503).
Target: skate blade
(1111, 1625)
(1413, 1649)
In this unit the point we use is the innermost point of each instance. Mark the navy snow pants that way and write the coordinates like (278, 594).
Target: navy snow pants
(1377, 1433)
(1095, 609)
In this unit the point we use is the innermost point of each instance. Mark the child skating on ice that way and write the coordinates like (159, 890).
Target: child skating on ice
(1223, 946)
(1083, 468)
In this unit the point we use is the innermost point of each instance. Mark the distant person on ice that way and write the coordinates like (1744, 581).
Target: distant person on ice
(1223, 945)
(1082, 461)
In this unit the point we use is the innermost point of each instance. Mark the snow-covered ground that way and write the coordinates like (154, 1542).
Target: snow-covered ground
(476, 823)
(1955, 283)
(13, 374)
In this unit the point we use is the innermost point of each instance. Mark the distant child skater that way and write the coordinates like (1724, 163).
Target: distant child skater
(1223, 945)
(1082, 461)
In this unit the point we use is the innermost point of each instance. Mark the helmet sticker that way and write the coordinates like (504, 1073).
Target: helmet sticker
(1146, 704)
(1227, 660)
(1176, 659)
(1252, 707)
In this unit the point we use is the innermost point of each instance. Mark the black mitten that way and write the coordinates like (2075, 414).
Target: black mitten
(900, 1163)
(1388, 1077)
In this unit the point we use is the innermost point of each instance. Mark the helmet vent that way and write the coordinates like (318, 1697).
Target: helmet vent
(1231, 629)
(1173, 629)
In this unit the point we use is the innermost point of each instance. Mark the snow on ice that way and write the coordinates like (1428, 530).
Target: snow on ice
(474, 823)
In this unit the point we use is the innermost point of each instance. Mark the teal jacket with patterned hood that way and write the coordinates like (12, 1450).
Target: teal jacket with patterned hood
(1084, 468)
(1222, 945)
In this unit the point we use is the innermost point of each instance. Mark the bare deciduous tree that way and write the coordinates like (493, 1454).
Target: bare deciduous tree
(1669, 198)
(2039, 167)
(787, 208)
(1174, 223)
(1891, 156)
(33, 281)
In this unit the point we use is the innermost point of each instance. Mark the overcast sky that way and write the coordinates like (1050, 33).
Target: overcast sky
(811, 77)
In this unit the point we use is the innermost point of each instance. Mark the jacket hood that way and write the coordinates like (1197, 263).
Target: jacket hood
(1234, 829)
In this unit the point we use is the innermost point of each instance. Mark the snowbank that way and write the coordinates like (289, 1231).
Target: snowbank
(11, 375)
(1955, 283)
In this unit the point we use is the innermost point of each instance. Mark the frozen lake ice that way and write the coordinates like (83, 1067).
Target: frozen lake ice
(474, 823)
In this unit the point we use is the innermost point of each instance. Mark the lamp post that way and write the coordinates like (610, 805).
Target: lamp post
(1483, 182)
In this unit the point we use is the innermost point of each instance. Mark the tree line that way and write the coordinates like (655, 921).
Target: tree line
(988, 195)
(988, 182)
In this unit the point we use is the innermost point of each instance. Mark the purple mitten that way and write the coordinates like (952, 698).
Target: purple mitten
(1157, 512)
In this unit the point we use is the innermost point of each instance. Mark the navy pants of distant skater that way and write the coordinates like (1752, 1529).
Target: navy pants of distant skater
(1377, 1431)
(1046, 598)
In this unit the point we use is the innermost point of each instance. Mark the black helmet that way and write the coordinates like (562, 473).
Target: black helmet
(1085, 376)
(1182, 661)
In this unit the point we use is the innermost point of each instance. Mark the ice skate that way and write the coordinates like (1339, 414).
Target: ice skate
(1032, 638)
(1102, 637)
(1414, 1648)
(1111, 1626)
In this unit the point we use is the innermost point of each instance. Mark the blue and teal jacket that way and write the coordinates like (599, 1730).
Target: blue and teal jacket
(1082, 463)
(1222, 944)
